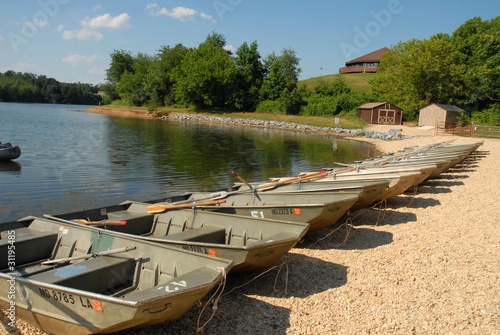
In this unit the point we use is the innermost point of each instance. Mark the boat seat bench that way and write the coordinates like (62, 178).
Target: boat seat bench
(137, 223)
(24, 239)
(97, 274)
(207, 234)
(191, 279)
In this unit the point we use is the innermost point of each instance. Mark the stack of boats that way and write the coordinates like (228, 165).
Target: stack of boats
(141, 263)
(8, 151)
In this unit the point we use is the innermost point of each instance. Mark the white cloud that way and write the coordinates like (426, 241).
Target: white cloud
(90, 27)
(107, 21)
(82, 34)
(230, 47)
(75, 59)
(180, 13)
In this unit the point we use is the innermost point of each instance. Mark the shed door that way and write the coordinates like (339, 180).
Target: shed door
(386, 116)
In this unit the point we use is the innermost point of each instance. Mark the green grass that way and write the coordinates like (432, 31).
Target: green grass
(357, 81)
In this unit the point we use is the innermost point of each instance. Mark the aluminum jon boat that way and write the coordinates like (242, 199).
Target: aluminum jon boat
(72, 279)
(251, 243)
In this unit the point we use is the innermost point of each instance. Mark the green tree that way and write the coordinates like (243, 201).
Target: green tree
(479, 45)
(418, 72)
(131, 86)
(249, 75)
(205, 77)
(159, 83)
(121, 61)
(282, 74)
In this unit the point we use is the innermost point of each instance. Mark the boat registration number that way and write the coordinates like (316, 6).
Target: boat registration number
(71, 299)
(285, 211)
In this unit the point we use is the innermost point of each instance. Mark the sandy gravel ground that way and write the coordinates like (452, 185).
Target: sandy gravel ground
(430, 266)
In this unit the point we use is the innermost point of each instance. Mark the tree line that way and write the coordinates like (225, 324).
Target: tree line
(28, 87)
(209, 77)
(462, 69)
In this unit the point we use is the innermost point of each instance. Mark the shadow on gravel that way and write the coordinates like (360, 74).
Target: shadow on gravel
(296, 276)
(360, 238)
(410, 201)
(231, 317)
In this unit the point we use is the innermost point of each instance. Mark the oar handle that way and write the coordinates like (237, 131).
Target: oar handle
(300, 178)
(158, 208)
(240, 178)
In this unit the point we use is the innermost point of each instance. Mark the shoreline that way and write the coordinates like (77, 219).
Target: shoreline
(411, 136)
(427, 263)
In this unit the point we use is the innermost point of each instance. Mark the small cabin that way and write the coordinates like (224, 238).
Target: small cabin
(434, 113)
(381, 113)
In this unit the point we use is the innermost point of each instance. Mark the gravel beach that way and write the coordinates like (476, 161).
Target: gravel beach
(425, 263)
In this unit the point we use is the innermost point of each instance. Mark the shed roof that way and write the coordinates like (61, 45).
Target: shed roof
(371, 105)
(449, 108)
(372, 57)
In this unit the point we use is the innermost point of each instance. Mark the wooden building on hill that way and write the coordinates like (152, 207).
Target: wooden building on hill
(434, 113)
(365, 64)
(381, 113)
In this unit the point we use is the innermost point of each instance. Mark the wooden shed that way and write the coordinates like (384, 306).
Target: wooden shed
(434, 113)
(381, 113)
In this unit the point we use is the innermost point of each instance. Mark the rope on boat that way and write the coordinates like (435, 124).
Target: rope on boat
(251, 280)
(285, 263)
(382, 209)
(215, 297)
(348, 224)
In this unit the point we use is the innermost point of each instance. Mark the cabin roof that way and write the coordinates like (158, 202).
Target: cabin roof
(372, 57)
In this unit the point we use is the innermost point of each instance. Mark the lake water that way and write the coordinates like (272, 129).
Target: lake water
(72, 160)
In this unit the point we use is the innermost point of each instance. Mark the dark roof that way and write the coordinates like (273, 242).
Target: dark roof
(372, 57)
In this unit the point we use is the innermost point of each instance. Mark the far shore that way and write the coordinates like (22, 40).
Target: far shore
(423, 135)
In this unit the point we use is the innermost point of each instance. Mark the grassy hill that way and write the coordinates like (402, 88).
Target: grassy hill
(357, 81)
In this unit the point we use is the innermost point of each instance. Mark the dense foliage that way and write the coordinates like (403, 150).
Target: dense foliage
(210, 77)
(28, 87)
(462, 69)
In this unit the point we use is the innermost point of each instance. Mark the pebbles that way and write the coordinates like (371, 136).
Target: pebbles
(431, 266)
(391, 134)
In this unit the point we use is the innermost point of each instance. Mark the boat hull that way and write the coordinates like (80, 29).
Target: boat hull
(72, 279)
(9, 153)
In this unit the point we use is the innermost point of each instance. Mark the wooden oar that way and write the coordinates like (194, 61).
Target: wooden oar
(101, 223)
(242, 180)
(87, 256)
(254, 191)
(301, 178)
(87, 222)
(158, 208)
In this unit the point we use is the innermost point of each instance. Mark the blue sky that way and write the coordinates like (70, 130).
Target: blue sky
(71, 40)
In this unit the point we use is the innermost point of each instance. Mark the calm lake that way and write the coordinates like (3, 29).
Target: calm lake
(73, 160)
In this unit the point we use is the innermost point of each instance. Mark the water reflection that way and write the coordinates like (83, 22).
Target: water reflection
(10, 167)
(74, 160)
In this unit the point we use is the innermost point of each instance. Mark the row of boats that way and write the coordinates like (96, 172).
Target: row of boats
(141, 263)
(9, 151)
